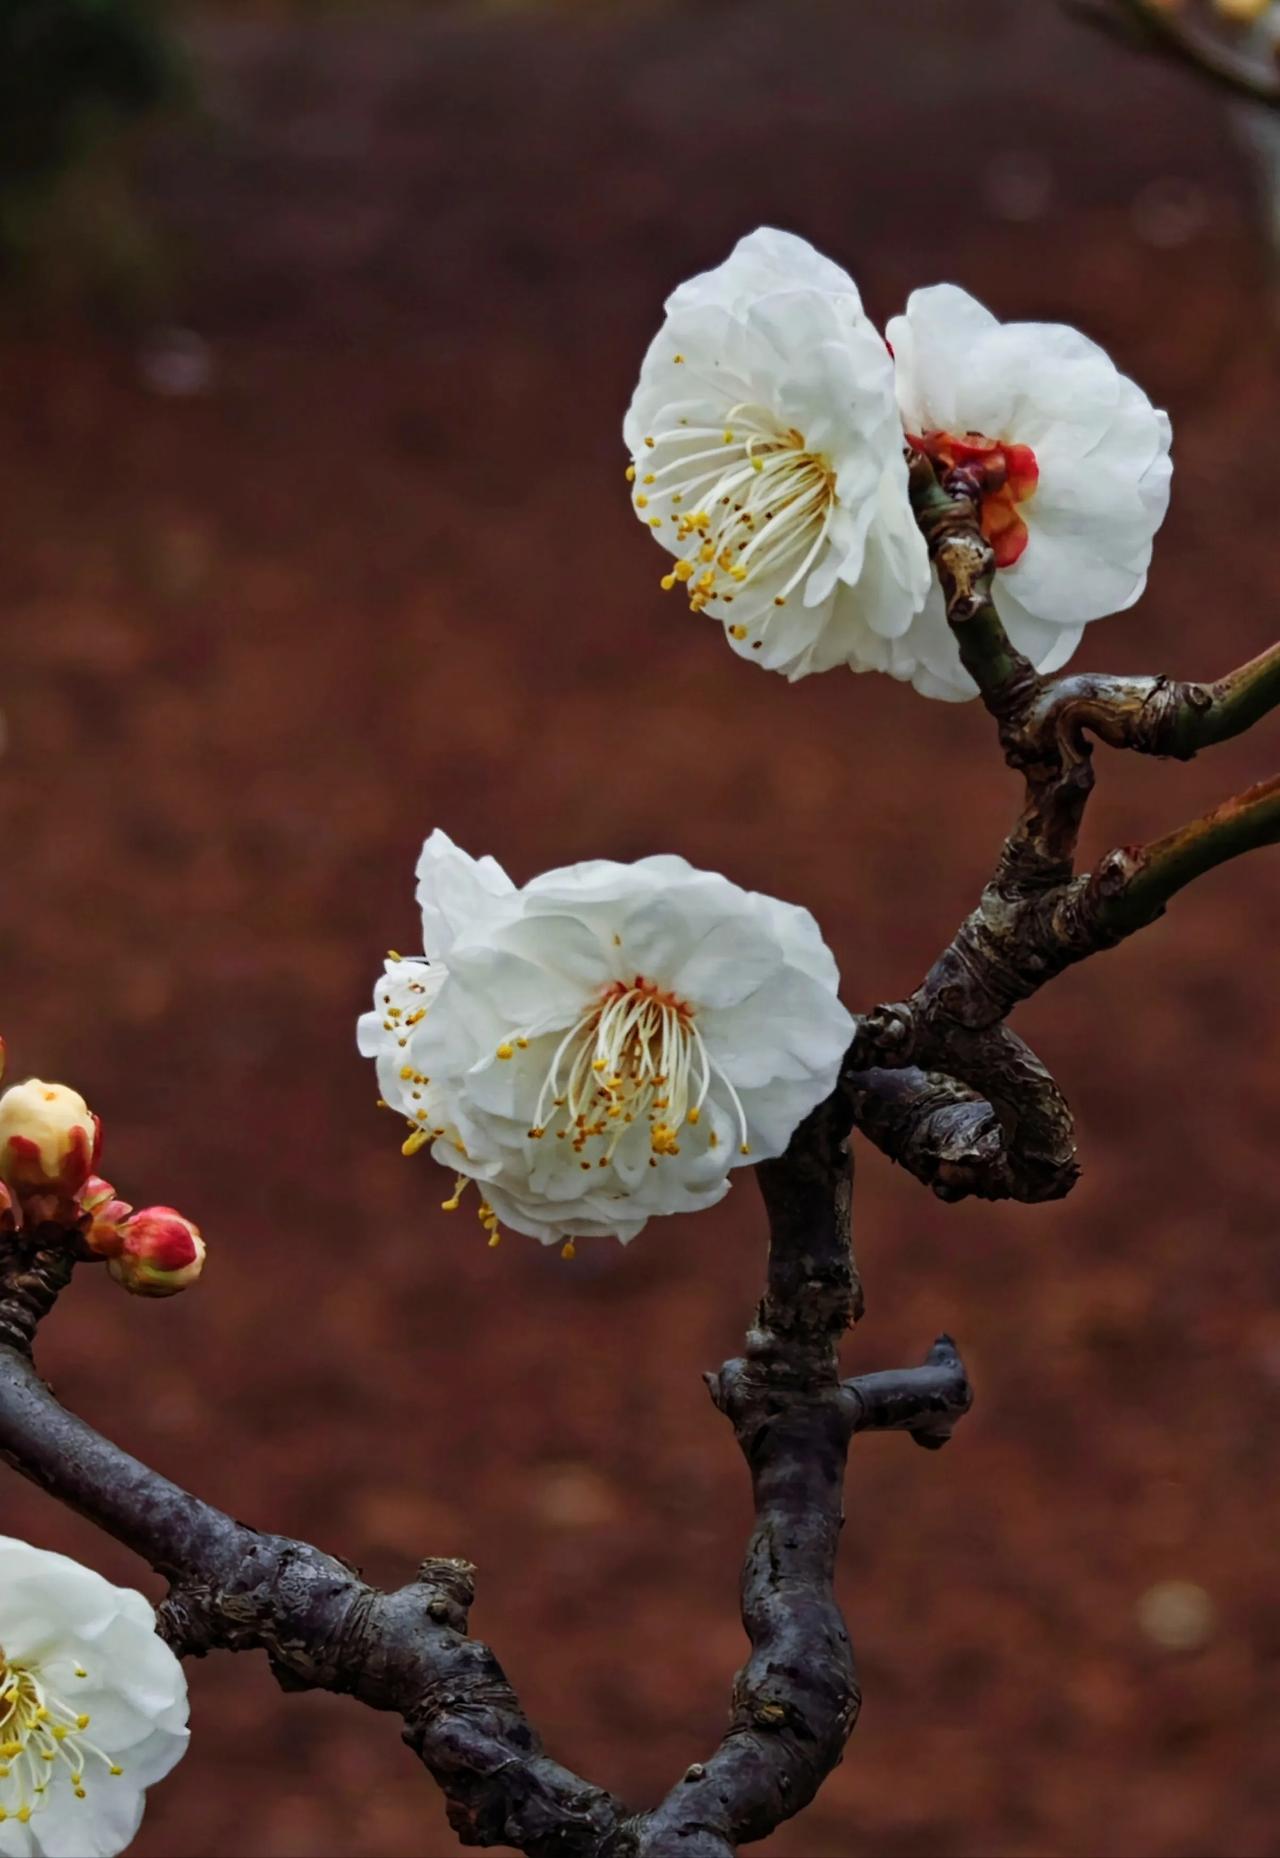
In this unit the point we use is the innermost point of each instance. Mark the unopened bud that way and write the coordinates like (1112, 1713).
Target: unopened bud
(49, 1138)
(160, 1253)
(103, 1216)
(8, 1211)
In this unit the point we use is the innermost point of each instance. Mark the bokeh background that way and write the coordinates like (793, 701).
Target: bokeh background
(313, 535)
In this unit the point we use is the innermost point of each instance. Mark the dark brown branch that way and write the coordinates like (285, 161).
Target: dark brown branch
(321, 1626)
(943, 1132)
(1154, 873)
(1160, 29)
(794, 1703)
(927, 1402)
(938, 1081)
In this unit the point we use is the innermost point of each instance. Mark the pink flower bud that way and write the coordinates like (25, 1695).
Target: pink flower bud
(49, 1138)
(102, 1216)
(160, 1253)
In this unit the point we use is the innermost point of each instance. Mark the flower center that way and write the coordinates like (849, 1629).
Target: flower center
(38, 1735)
(1008, 475)
(751, 502)
(636, 1055)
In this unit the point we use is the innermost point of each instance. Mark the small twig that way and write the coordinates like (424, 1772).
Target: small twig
(1156, 872)
(1161, 29)
(927, 1402)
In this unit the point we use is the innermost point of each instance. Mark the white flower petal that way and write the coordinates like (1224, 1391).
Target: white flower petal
(767, 454)
(89, 1683)
(1102, 452)
(454, 890)
(611, 1041)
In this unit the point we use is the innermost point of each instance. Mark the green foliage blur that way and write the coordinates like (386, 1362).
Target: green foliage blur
(76, 78)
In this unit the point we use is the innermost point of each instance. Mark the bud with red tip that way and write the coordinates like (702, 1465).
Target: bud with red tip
(49, 1138)
(102, 1216)
(159, 1254)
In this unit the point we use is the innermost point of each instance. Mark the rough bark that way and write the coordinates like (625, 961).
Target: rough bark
(794, 1703)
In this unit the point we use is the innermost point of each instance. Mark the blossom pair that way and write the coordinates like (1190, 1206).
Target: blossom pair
(767, 438)
(605, 1044)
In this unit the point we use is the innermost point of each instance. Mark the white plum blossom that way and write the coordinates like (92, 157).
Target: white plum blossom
(768, 459)
(606, 1043)
(93, 1707)
(1077, 460)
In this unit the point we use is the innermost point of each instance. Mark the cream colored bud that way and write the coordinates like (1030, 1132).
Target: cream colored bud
(48, 1137)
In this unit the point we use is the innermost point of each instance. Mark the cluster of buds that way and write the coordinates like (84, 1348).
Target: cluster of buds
(50, 1142)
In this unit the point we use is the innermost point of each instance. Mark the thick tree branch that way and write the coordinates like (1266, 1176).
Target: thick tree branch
(795, 1701)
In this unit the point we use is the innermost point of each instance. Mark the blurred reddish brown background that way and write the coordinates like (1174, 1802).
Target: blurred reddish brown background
(378, 573)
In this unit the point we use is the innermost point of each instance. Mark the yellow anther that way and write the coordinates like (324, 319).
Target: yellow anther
(695, 1114)
(650, 443)
(739, 574)
(495, 1238)
(536, 1133)
(745, 1149)
(568, 1249)
(406, 1072)
(650, 478)
(451, 1205)
(757, 464)
(737, 632)
(667, 582)
(655, 522)
(631, 474)
(417, 1014)
(778, 600)
(523, 1044)
(506, 1051)
(728, 436)
(392, 955)
(115, 1770)
(642, 502)
(677, 359)
(414, 1142)
(713, 1140)
(683, 570)
(82, 1722)
(599, 1064)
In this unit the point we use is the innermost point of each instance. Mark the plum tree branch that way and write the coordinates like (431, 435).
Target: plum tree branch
(1161, 29)
(971, 1109)
(408, 1652)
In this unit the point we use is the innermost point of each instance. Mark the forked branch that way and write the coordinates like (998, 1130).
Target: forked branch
(408, 1652)
(972, 1109)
